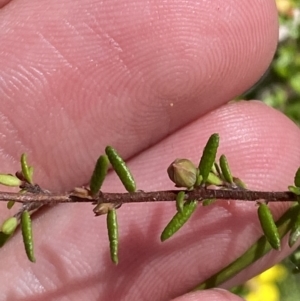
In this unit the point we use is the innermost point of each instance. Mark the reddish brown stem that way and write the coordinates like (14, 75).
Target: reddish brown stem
(155, 196)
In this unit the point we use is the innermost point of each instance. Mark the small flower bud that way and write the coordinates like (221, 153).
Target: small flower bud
(183, 173)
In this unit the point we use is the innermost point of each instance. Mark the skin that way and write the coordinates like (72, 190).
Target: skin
(152, 79)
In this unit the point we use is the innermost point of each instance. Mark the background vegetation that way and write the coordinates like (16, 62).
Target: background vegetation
(280, 88)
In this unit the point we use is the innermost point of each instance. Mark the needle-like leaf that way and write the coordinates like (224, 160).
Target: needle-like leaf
(268, 226)
(208, 157)
(178, 220)
(121, 169)
(113, 234)
(99, 174)
(27, 170)
(225, 169)
(26, 228)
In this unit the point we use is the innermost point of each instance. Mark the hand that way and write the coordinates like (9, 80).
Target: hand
(152, 79)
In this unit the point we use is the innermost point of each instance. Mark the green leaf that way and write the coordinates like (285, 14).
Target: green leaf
(260, 248)
(268, 226)
(295, 231)
(178, 220)
(10, 204)
(121, 169)
(297, 178)
(113, 234)
(214, 179)
(216, 169)
(30, 172)
(225, 169)
(294, 190)
(180, 201)
(295, 259)
(99, 174)
(9, 226)
(198, 178)
(4, 238)
(208, 156)
(9, 180)
(26, 228)
(208, 202)
(238, 182)
(27, 171)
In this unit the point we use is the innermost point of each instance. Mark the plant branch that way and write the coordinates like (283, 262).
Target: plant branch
(199, 194)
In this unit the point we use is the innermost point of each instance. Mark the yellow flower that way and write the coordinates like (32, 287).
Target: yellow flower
(284, 6)
(264, 292)
(263, 287)
(276, 273)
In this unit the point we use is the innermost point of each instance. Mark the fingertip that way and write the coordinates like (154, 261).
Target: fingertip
(216, 294)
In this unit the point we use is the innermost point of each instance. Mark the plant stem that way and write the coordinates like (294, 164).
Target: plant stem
(199, 194)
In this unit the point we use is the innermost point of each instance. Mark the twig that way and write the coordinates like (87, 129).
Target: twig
(142, 197)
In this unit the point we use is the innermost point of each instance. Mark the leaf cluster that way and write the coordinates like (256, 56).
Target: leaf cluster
(209, 175)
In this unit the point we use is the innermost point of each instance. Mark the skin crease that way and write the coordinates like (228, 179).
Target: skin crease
(152, 79)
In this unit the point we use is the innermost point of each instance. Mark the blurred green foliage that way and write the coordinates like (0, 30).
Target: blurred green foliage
(280, 86)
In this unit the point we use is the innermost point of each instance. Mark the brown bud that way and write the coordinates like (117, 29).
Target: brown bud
(183, 173)
(102, 208)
